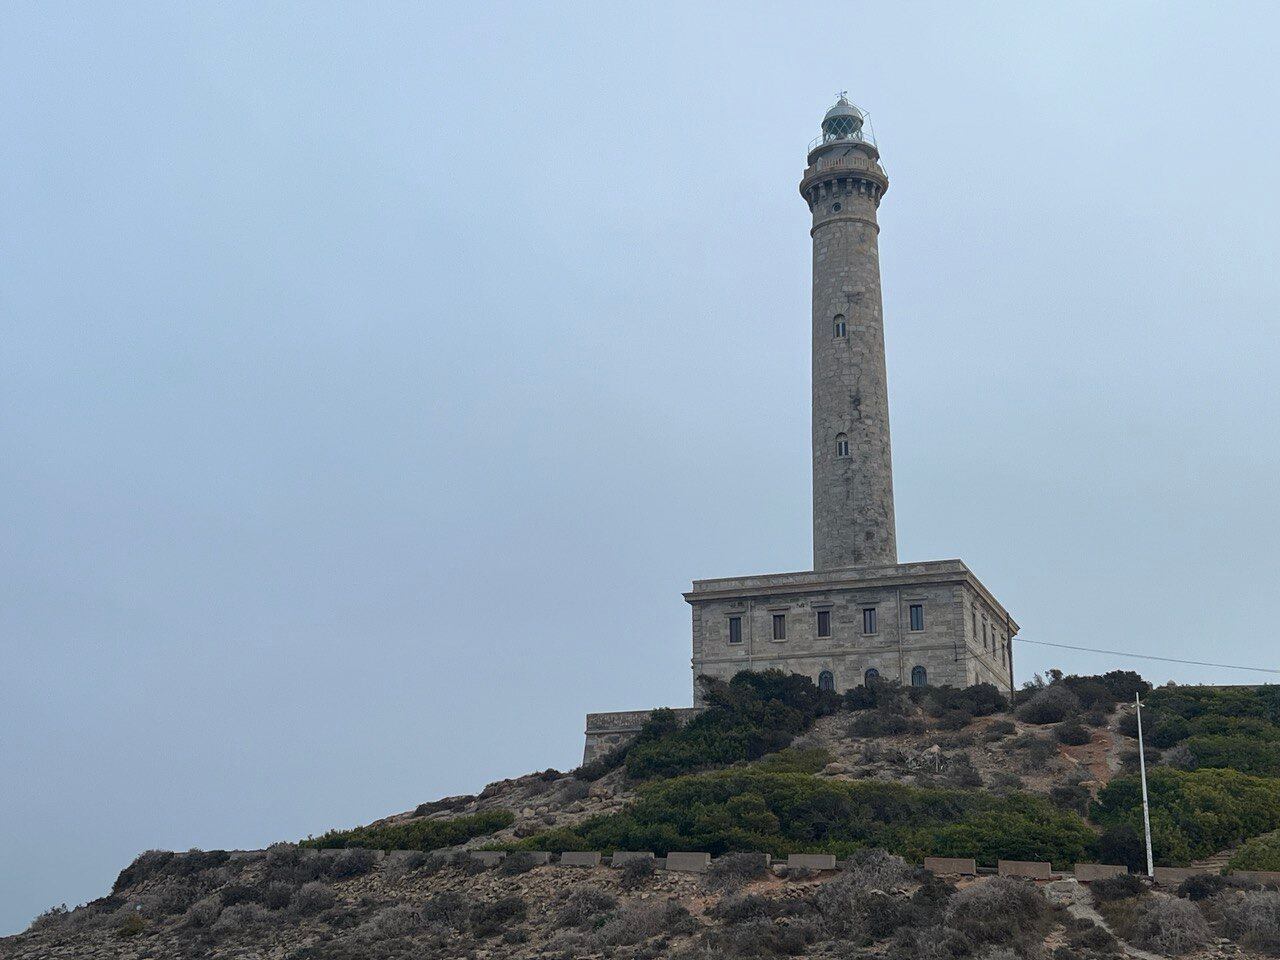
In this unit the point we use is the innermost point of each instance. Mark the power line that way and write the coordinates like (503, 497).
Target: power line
(1147, 656)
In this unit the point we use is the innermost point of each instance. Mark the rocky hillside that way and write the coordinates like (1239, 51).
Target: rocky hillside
(881, 776)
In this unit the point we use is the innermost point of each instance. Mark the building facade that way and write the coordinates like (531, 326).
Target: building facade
(859, 613)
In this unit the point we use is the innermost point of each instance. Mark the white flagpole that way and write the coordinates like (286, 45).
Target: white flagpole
(1146, 810)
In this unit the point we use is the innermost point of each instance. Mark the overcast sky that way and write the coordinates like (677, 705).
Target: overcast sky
(374, 378)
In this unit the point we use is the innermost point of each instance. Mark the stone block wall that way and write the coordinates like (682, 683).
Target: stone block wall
(608, 731)
(952, 647)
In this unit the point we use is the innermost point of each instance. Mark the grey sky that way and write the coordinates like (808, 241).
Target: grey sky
(373, 378)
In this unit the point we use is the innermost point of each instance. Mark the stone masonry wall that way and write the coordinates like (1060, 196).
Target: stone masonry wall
(853, 518)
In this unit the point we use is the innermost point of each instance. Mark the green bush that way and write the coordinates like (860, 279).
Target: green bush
(751, 715)
(1050, 705)
(1243, 753)
(780, 813)
(1260, 853)
(1193, 813)
(1072, 734)
(416, 834)
(978, 700)
(1235, 728)
(1123, 844)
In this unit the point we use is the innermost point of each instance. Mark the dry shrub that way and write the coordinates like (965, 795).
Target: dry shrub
(489, 919)
(844, 902)
(1167, 926)
(50, 919)
(1252, 919)
(521, 861)
(580, 905)
(927, 943)
(310, 898)
(744, 908)
(449, 910)
(397, 921)
(762, 938)
(240, 916)
(276, 895)
(639, 922)
(204, 913)
(1000, 912)
(734, 869)
(637, 873)
(1126, 886)
(352, 863)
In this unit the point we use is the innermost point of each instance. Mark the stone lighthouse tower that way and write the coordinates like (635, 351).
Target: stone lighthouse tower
(843, 182)
(859, 615)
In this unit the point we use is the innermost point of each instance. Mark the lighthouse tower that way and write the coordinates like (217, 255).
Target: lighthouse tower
(843, 182)
(859, 615)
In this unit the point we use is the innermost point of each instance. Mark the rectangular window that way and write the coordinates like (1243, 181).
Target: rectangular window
(917, 616)
(868, 619)
(985, 645)
(779, 626)
(824, 623)
(735, 629)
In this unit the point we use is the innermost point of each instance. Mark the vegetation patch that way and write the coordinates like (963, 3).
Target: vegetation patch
(748, 809)
(1260, 853)
(1193, 813)
(416, 834)
(751, 715)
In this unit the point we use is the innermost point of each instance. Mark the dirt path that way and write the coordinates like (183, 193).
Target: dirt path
(1073, 895)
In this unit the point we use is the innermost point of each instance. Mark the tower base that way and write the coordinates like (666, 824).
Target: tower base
(914, 623)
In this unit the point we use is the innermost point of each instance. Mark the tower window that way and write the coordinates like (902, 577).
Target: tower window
(919, 677)
(842, 445)
(826, 680)
(916, 612)
(779, 626)
(870, 677)
(838, 327)
(824, 623)
(735, 629)
(868, 619)
(835, 208)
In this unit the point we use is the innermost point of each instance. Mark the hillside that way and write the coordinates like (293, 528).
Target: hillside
(773, 766)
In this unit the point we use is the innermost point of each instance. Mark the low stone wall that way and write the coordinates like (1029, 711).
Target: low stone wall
(811, 861)
(1030, 869)
(685, 862)
(1088, 872)
(1172, 876)
(608, 731)
(1258, 876)
(700, 862)
(621, 857)
(951, 866)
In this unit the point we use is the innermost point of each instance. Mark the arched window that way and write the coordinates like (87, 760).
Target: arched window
(838, 328)
(826, 680)
(919, 677)
(871, 675)
(842, 444)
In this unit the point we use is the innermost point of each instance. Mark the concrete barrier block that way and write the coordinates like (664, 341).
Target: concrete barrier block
(621, 857)
(686, 862)
(580, 858)
(951, 866)
(1172, 876)
(1031, 869)
(537, 857)
(1258, 876)
(811, 861)
(490, 858)
(1088, 872)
